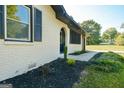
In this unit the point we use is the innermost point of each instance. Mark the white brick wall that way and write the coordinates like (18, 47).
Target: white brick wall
(16, 58)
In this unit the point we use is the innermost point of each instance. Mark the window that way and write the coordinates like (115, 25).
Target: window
(75, 38)
(18, 23)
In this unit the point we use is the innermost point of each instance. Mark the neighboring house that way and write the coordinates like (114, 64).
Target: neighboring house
(31, 36)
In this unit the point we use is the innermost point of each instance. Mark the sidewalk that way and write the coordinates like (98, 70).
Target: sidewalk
(83, 57)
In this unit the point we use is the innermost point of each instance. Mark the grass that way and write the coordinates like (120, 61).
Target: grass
(100, 78)
(96, 79)
(122, 55)
(105, 47)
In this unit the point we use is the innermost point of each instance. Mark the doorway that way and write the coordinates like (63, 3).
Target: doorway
(62, 40)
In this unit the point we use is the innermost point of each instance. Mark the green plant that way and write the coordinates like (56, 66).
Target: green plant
(100, 79)
(70, 61)
(105, 70)
(65, 52)
(108, 65)
(113, 56)
(120, 39)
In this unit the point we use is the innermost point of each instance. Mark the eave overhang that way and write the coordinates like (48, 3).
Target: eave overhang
(65, 18)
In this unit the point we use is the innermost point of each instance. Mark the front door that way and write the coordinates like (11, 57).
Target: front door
(62, 41)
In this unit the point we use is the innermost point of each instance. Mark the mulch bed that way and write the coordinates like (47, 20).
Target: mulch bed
(56, 74)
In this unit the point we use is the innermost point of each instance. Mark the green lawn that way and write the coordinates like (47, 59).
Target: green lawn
(105, 47)
(106, 70)
(122, 55)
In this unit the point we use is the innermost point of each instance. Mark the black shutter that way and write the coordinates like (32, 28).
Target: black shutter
(37, 25)
(1, 21)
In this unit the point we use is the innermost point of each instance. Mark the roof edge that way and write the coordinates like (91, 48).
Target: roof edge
(62, 15)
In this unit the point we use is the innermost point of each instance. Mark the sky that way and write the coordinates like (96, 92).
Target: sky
(106, 15)
(23, 14)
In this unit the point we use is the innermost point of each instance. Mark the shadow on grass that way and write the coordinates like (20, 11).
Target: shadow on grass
(59, 75)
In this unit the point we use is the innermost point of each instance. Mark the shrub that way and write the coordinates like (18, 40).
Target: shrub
(107, 65)
(109, 62)
(113, 56)
(71, 61)
(65, 52)
(120, 40)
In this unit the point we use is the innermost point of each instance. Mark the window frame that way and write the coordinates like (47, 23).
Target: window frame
(5, 23)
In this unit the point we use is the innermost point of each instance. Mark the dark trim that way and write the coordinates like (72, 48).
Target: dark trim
(62, 40)
(2, 22)
(84, 44)
(37, 24)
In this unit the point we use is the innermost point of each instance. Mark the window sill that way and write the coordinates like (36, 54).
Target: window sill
(17, 43)
(5, 42)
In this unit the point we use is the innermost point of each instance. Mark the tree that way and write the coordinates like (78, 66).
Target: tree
(110, 34)
(120, 39)
(92, 30)
(105, 36)
(14, 26)
(11, 11)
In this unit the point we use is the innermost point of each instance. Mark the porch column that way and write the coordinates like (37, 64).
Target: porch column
(83, 42)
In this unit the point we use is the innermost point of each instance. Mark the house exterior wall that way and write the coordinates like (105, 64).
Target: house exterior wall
(19, 57)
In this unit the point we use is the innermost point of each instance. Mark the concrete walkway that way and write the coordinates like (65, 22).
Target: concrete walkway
(83, 57)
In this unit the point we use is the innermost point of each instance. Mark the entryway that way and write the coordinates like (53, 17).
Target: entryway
(62, 40)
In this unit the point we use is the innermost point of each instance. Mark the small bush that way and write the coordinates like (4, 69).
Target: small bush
(113, 56)
(71, 61)
(109, 62)
(107, 65)
(65, 52)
